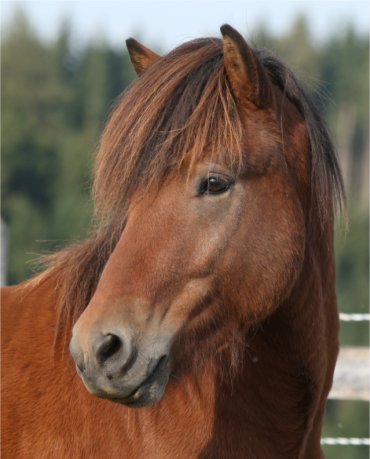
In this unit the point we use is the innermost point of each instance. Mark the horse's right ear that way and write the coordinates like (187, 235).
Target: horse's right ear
(141, 57)
(245, 72)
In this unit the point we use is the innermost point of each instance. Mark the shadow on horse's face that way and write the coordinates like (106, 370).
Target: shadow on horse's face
(212, 248)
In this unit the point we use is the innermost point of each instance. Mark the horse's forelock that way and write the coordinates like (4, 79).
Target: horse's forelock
(177, 110)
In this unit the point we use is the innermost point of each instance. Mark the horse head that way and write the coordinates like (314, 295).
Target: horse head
(205, 164)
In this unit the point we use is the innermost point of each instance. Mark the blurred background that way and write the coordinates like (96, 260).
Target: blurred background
(64, 63)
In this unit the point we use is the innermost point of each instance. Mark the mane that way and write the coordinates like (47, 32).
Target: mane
(327, 189)
(166, 119)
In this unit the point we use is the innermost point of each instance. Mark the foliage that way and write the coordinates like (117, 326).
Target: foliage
(55, 101)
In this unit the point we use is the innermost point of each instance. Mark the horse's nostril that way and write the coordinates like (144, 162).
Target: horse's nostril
(108, 347)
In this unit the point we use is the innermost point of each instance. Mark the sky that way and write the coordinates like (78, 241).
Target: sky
(166, 24)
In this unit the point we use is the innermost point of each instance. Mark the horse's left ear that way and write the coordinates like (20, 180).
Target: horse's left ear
(246, 74)
(141, 57)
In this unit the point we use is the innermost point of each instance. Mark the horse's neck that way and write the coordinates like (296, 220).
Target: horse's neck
(267, 399)
(285, 377)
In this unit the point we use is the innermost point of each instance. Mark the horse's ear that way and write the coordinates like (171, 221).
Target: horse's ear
(245, 72)
(141, 57)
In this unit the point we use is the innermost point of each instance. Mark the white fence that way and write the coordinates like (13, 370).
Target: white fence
(351, 380)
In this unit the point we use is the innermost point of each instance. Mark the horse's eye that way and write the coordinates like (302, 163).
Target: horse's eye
(214, 185)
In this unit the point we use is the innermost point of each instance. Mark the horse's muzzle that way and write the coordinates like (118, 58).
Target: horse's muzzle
(118, 369)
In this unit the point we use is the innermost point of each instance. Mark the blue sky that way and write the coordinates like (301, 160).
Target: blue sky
(170, 23)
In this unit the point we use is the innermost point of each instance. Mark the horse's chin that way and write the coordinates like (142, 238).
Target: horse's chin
(147, 393)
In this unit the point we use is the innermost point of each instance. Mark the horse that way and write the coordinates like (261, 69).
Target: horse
(198, 319)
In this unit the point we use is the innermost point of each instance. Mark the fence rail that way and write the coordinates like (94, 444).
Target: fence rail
(346, 317)
(333, 441)
(352, 375)
(351, 380)
(352, 372)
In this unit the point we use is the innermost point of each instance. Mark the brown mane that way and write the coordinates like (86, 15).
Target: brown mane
(182, 104)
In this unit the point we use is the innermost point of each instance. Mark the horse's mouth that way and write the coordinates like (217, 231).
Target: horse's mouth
(148, 392)
(151, 389)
